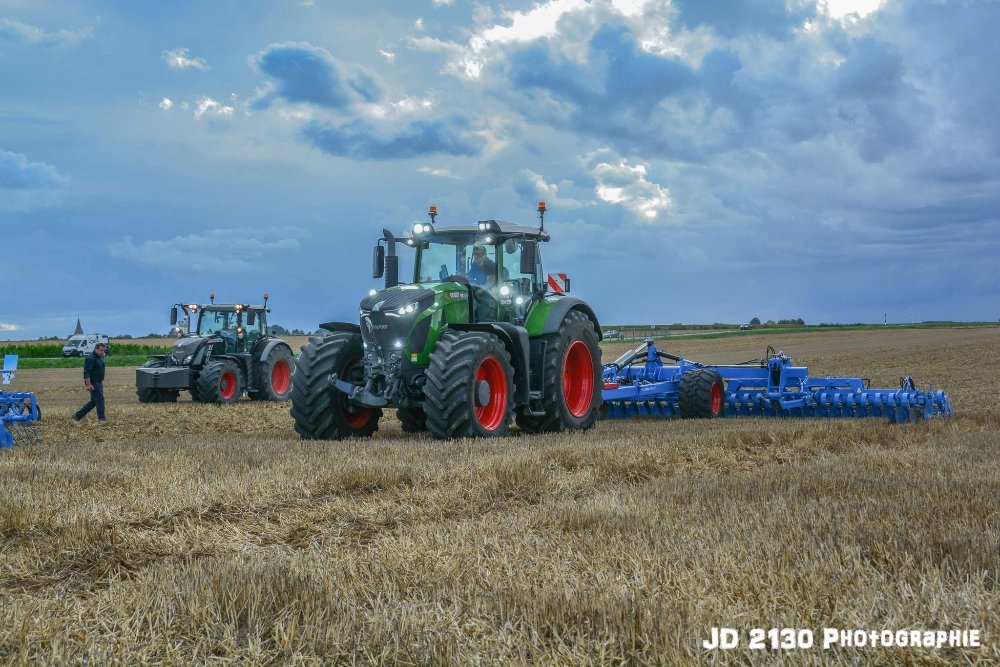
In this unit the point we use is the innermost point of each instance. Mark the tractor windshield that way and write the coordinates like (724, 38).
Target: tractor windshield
(471, 257)
(212, 322)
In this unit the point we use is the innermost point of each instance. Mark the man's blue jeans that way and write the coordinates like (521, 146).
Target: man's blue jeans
(96, 401)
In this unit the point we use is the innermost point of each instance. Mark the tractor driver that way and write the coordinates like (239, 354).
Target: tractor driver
(483, 271)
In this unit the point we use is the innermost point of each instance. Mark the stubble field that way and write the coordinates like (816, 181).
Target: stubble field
(191, 533)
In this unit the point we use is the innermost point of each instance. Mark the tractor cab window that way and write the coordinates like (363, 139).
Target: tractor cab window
(214, 322)
(474, 260)
(514, 290)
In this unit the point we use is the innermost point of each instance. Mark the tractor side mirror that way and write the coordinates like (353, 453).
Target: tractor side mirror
(378, 261)
(251, 318)
(173, 316)
(529, 256)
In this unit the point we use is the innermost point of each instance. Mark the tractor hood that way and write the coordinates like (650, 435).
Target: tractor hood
(185, 347)
(395, 298)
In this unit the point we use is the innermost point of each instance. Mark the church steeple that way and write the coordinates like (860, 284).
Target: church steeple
(79, 329)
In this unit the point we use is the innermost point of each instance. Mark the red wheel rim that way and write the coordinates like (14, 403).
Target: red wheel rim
(492, 414)
(578, 378)
(354, 417)
(228, 385)
(281, 376)
(717, 398)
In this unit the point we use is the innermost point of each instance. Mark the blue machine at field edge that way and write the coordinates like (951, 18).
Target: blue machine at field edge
(18, 410)
(639, 383)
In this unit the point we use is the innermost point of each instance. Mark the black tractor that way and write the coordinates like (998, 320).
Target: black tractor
(226, 353)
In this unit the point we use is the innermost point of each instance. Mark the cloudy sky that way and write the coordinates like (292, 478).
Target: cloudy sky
(702, 160)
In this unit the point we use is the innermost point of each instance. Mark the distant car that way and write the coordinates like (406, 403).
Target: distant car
(612, 334)
(81, 345)
(746, 327)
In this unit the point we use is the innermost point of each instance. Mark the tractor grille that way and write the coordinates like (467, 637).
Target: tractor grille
(380, 330)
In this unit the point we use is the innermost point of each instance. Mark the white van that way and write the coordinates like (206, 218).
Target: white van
(83, 344)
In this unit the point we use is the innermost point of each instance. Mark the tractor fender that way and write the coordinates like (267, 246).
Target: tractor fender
(271, 344)
(334, 327)
(562, 306)
(515, 339)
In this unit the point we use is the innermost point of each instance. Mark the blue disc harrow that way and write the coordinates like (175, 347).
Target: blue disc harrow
(18, 411)
(639, 383)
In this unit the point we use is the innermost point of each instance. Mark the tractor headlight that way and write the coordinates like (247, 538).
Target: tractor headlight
(372, 292)
(504, 290)
(187, 359)
(407, 309)
(420, 228)
(519, 300)
(398, 344)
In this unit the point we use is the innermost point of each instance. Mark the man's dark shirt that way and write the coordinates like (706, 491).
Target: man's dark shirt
(93, 368)
(479, 273)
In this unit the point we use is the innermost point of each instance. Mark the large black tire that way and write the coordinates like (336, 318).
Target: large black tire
(701, 394)
(457, 403)
(274, 376)
(220, 382)
(413, 420)
(571, 395)
(150, 395)
(320, 411)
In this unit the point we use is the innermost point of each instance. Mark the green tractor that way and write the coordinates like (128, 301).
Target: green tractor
(225, 354)
(476, 341)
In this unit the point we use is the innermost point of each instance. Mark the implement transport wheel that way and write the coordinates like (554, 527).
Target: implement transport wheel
(701, 394)
(220, 382)
(151, 395)
(320, 411)
(274, 376)
(571, 395)
(470, 387)
(413, 420)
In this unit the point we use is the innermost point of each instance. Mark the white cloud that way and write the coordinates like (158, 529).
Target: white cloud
(443, 3)
(166, 103)
(389, 56)
(440, 172)
(206, 105)
(5, 326)
(18, 31)
(468, 60)
(211, 250)
(533, 187)
(624, 184)
(841, 8)
(179, 59)
(418, 24)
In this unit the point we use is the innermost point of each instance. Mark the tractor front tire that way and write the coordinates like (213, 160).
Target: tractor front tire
(470, 387)
(571, 391)
(220, 382)
(320, 410)
(413, 420)
(274, 376)
(700, 394)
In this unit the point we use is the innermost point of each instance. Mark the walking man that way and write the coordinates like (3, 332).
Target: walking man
(93, 380)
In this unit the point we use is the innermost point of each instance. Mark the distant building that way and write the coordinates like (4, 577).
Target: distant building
(79, 329)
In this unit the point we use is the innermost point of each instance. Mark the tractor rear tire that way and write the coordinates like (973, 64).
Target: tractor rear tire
(151, 395)
(274, 376)
(220, 382)
(701, 394)
(470, 387)
(320, 410)
(413, 420)
(571, 392)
